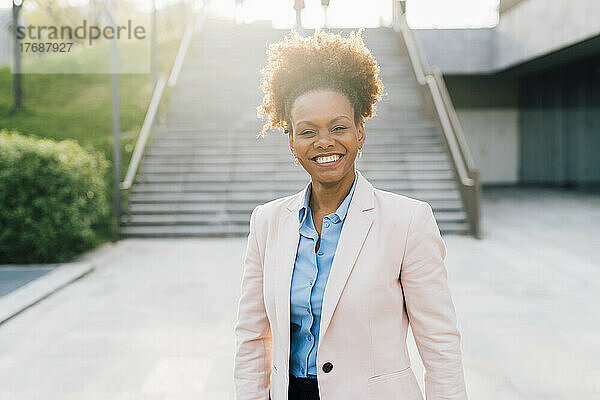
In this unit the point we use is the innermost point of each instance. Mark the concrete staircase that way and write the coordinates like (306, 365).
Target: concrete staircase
(204, 170)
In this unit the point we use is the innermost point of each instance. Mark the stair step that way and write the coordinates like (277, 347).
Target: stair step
(408, 115)
(238, 218)
(212, 137)
(205, 141)
(267, 166)
(241, 151)
(184, 231)
(201, 187)
(261, 196)
(396, 185)
(232, 230)
(215, 115)
(241, 160)
(454, 228)
(242, 207)
(218, 130)
(297, 174)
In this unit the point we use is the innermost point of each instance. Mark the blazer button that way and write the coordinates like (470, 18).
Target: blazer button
(327, 367)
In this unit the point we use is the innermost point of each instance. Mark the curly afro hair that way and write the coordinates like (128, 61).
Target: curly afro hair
(325, 60)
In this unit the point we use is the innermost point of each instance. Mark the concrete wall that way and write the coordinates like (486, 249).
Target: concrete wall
(528, 30)
(458, 51)
(539, 128)
(559, 125)
(493, 137)
(537, 27)
(487, 108)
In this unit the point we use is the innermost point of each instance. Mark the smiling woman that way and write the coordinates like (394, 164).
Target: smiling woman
(334, 273)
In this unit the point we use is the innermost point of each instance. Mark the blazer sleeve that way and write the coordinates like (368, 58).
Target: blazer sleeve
(430, 308)
(253, 355)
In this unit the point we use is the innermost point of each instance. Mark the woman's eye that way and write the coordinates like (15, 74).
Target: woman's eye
(306, 132)
(339, 128)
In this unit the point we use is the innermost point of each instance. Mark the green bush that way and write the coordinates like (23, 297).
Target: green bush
(51, 196)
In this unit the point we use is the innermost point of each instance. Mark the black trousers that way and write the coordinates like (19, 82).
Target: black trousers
(303, 389)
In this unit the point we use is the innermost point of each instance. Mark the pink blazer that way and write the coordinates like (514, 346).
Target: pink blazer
(388, 271)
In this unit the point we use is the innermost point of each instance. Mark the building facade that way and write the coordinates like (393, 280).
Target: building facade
(527, 91)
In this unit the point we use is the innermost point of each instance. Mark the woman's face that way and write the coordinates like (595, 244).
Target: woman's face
(323, 125)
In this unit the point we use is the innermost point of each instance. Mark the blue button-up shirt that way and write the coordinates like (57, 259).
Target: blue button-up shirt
(311, 270)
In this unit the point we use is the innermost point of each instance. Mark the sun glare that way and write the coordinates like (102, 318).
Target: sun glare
(452, 14)
(343, 13)
(355, 13)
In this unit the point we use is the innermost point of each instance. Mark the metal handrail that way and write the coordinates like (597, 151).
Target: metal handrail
(447, 128)
(157, 95)
(456, 126)
(413, 54)
(140, 145)
(181, 53)
(435, 92)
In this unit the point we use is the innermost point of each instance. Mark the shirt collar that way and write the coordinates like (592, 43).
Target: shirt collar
(341, 211)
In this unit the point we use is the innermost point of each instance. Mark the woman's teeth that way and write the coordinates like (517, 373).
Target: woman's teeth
(321, 160)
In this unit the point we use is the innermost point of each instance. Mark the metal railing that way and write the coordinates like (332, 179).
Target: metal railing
(142, 139)
(159, 89)
(439, 106)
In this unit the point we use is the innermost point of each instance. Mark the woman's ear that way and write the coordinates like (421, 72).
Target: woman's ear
(288, 130)
(291, 140)
(361, 131)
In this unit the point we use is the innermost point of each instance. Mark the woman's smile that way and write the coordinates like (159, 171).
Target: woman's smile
(328, 161)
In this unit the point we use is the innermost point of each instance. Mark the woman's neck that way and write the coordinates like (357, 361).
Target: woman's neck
(325, 198)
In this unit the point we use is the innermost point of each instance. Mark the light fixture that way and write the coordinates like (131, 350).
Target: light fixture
(18, 3)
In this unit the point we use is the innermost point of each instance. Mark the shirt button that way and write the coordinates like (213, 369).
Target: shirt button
(320, 253)
(308, 310)
(326, 224)
(308, 337)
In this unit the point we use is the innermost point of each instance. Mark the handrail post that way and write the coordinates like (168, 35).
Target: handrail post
(116, 128)
(398, 10)
(17, 61)
(475, 214)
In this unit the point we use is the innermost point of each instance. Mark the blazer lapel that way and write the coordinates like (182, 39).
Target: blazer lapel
(354, 231)
(287, 247)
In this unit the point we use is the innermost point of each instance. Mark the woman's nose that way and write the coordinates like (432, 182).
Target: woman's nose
(324, 138)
